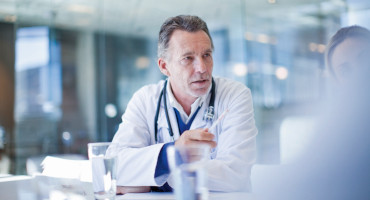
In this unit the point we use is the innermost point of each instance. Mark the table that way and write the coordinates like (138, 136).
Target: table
(40, 187)
(170, 196)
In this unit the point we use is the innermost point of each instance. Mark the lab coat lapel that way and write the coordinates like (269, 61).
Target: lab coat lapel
(172, 115)
(163, 133)
(163, 128)
(198, 120)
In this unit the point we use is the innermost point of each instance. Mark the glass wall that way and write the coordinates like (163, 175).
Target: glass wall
(69, 68)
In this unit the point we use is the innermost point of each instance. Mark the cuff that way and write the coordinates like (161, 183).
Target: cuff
(162, 167)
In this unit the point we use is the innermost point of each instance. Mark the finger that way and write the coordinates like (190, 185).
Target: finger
(132, 189)
(201, 135)
(212, 144)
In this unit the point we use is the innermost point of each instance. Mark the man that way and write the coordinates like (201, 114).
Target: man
(171, 113)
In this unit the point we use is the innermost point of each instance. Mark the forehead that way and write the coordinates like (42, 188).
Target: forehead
(349, 50)
(189, 41)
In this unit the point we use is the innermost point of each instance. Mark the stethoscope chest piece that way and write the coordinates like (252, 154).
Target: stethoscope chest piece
(209, 114)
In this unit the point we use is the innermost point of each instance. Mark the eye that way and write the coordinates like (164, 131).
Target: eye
(186, 60)
(207, 55)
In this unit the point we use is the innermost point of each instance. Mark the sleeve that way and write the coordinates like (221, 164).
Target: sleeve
(137, 157)
(236, 149)
(162, 167)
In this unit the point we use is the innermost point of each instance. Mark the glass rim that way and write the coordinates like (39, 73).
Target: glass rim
(99, 143)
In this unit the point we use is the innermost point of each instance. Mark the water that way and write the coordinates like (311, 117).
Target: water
(190, 182)
(104, 177)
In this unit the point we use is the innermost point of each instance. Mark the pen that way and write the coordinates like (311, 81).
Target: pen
(219, 119)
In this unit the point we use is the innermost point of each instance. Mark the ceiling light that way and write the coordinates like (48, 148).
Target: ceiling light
(66, 136)
(321, 48)
(281, 73)
(142, 62)
(80, 9)
(10, 18)
(240, 69)
(263, 38)
(312, 46)
(110, 110)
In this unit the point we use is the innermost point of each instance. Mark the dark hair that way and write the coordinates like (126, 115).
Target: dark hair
(182, 22)
(342, 34)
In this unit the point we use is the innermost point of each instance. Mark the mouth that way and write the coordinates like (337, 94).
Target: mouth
(200, 83)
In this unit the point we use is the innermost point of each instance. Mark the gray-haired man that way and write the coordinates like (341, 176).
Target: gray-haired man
(171, 112)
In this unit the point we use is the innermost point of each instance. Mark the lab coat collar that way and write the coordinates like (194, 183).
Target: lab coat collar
(175, 104)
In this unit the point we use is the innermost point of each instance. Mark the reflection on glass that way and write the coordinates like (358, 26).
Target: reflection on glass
(38, 88)
(76, 73)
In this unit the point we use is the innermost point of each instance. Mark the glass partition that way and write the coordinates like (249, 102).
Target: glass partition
(76, 64)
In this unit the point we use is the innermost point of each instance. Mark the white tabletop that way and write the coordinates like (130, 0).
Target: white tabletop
(165, 196)
(40, 187)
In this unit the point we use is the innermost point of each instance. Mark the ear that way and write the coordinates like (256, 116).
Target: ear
(163, 67)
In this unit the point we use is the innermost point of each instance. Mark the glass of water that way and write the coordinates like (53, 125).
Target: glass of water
(103, 158)
(187, 164)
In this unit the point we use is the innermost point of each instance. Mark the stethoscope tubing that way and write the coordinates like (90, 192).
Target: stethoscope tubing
(163, 94)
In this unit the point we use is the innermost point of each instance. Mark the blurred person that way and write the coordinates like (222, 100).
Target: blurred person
(347, 52)
(336, 164)
(180, 110)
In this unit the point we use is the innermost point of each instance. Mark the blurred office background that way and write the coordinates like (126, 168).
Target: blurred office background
(69, 67)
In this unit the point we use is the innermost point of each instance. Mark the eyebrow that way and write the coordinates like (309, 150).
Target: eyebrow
(188, 53)
(208, 51)
(192, 52)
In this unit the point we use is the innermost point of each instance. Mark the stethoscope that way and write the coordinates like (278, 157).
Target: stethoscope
(208, 114)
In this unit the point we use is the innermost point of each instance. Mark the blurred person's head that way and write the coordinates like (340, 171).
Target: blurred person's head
(185, 55)
(335, 164)
(348, 52)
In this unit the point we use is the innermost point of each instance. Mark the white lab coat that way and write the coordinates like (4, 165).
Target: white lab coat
(230, 165)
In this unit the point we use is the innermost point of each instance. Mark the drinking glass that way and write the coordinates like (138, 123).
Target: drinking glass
(188, 171)
(103, 158)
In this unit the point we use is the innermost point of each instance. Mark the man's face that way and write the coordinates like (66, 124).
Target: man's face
(188, 63)
(351, 58)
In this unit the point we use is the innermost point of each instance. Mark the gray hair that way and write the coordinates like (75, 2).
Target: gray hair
(182, 22)
(342, 34)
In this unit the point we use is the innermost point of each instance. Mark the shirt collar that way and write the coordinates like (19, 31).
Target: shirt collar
(175, 104)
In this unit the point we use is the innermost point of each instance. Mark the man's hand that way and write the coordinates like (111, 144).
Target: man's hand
(195, 137)
(132, 189)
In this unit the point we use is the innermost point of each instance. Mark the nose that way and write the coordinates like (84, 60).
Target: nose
(200, 65)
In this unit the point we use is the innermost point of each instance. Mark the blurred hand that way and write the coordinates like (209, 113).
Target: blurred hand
(132, 189)
(196, 137)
